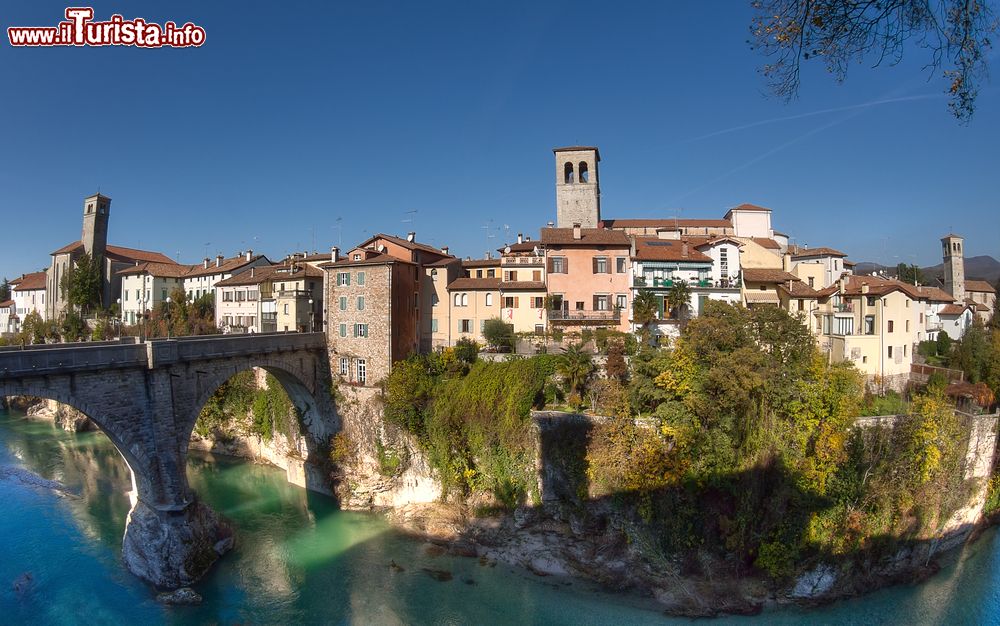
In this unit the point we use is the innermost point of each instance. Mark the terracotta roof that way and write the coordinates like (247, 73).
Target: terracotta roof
(31, 282)
(481, 263)
(877, 286)
(666, 223)
(979, 286)
(269, 273)
(654, 249)
(522, 285)
(474, 284)
(933, 294)
(978, 306)
(953, 309)
(121, 253)
(524, 246)
(588, 237)
(169, 270)
(375, 259)
(803, 253)
(747, 207)
(6, 303)
(711, 241)
(228, 266)
(761, 297)
(799, 290)
(767, 275)
(766, 242)
(443, 262)
(410, 245)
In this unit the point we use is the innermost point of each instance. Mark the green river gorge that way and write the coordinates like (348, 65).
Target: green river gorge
(300, 560)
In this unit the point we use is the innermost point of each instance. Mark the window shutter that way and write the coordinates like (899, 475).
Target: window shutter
(565, 265)
(549, 264)
(595, 303)
(594, 264)
(516, 301)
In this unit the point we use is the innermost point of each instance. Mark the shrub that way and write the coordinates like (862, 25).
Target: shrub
(498, 334)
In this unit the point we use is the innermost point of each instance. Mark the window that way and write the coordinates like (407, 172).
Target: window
(343, 303)
(343, 278)
(907, 304)
(584, 173)
(579, 305)
(904, 350)
(921, 318)
(434, 325)
(361, 330)
(286, 309)
(536, 275)
(434, 299)
(461, 299)
(538, 302)
(510, 275)
(465, 326)
(869, 324)
(343, 330)
(539, 329)
(362, 371)
(416, 301)
(601, 303)
(621, 301)
(871, 300)
(812, 282)
(227, 296)
(491, 273)
(620, 264)
(802, 304)
(889, 326)
(163, 294)
(601, 265)
(434, 275)
(568, 173)
(479, 273)
(510, 302)
(361, 278)
(845, 325)
(356, 256)
(361, 303)
(344, 365)
(558, 265)
(890, 352)
(489, 299)
(907, 330)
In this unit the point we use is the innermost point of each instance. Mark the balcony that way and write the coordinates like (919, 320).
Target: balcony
(584, 316)
(522, 260)
(667, 283)
(844, 307)
(293, 293)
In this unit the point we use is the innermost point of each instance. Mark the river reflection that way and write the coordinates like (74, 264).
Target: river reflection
(299, 560)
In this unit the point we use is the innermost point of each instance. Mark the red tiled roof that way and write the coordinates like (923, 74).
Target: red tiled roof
(799, 290)
(443, 262)
(655, 249)
(953, 309)
(6, 303)
(748, 207)
(481, 263)
(226, 267)
(169, 270)
(522, 285)
(933, 294)
(766, 242)
(121, 253)
(269, 273)
(410, 245)
(978, 306)
(979, 286)
(804, 253)
(375, 259)
(588, 237)
(877, 286)
(767, 275)
(524, 246)
(665, 223)
(31, 282)
(474, 284)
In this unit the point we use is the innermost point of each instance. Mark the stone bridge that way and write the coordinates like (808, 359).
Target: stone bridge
(146, 398)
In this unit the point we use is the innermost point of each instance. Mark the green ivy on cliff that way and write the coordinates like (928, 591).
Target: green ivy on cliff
(239, 407)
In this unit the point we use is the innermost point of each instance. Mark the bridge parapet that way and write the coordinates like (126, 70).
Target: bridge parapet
(57, 360)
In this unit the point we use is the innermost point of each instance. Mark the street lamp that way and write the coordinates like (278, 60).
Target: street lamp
(168, 317)
(311, 314)
(119, 320)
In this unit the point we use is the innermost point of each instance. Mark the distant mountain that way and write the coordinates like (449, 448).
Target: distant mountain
(979, 267)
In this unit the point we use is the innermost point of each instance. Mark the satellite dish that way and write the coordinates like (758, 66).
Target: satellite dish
(536, 251)
(506, 250)
(381, 248)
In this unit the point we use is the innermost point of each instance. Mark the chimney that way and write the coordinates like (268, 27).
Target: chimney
(252, 271)
(684, 248)
(786, 262)
(411, 236)
(218, 261)
(489, 254)
(205, 263)
(249, 254)
(520, 238)
(577, 234)
(334, 254)
(444, 250)
(864, 288)
(631, 247)
(843, 284)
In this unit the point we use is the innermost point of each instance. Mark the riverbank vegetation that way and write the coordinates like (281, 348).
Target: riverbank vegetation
(737, 441)
(240, 408)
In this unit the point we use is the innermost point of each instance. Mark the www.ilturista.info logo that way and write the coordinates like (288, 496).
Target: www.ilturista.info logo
(79, 29)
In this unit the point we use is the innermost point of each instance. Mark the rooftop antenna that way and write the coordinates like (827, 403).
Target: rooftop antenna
(408, 216)
(340, 231)
(207, 244)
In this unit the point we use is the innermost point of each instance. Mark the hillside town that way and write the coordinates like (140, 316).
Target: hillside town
(389, 296)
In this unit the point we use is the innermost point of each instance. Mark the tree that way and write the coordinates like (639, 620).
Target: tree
(909, 274)
(943, 344)
(955, 33)
(4, 290)
(679, 297)
(498, 334)
(575, 366)
(644, 310)
(614, 365)
(33, 329)
(466, 350)
(82, 284)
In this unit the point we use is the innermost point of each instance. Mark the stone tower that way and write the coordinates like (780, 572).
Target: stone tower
(96, 209)
(954, 266)
(578, 188)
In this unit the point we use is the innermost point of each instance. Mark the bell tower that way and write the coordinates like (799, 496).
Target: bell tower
(96, 209)
(578, 189)
(954, 266)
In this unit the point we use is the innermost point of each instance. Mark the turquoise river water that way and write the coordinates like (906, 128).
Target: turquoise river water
(299, 560)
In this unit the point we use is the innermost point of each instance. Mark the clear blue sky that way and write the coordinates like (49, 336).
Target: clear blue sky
(294, 114)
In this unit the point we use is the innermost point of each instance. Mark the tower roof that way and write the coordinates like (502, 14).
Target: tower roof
(579, 149)
(952, 236)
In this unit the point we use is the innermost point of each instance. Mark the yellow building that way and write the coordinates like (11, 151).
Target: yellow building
(522, 287)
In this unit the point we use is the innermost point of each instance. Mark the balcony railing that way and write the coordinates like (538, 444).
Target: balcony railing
(292, 293)
(522, 260)
(844, 307)
(666, 283)
(559, 315)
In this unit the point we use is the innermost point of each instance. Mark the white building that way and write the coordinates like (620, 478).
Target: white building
(201, 279)
(28, 293)
(146, 285)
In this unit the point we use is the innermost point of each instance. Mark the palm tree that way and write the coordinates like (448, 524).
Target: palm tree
(575, 366)
(644, 309)
(679, 296)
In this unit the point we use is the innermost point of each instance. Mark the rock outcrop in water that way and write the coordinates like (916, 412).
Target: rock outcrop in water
(173, 549)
